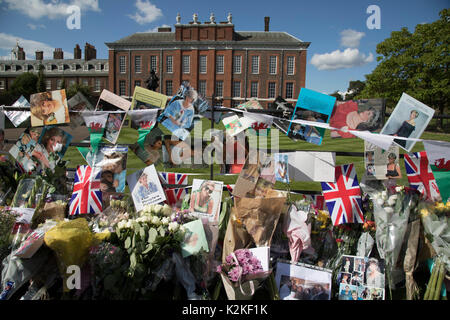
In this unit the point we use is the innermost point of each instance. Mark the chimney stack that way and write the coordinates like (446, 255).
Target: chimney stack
(58, 54)
(39, 55)
(77, 52)
(266, 23)
(89, 52)
(21, 54)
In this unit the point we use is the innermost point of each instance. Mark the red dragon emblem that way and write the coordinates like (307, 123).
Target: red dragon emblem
(96, 127)
(259, 126)
(146, 124)
(442, 165)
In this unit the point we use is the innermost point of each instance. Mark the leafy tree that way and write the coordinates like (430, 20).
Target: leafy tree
(416, 63)
(63, 83)
(25, 85)
(40, 86)
(355, 86)
(78, 87)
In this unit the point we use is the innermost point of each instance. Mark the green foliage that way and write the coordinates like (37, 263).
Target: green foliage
(355, 86)
(40, 85)
(78, 87)
(416, 63)
(25, 85)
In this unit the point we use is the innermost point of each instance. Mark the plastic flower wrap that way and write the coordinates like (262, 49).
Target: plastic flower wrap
(297, 229)
(391, 214)
(241, 274)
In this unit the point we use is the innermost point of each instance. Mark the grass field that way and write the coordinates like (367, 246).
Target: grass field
(129, 135)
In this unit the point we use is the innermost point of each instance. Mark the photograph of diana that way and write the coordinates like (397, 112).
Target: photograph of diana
(49, 108)
(281, 167)
(409, 120)
(179, 114)
(205, 199)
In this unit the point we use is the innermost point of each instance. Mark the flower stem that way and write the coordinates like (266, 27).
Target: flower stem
(440, 279)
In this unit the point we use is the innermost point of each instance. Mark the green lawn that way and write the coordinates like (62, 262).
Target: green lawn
(129, 135)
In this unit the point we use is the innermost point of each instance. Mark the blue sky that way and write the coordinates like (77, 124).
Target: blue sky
(342, 47)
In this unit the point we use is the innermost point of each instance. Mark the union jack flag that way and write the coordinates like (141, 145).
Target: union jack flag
(343, 198)
(87, 196)
(174, 195)
(420, 176)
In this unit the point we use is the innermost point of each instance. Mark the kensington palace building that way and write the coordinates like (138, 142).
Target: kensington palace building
(225, 66)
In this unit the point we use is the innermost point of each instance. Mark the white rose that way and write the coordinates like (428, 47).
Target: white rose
(398, 189)
(165, 220)
(121, 224)
(388, 210)
(182, 229)
(157, 208)
(384, 195)
(392, 199)
(155, 220)
(129, 224)
(376, 196)
(380, 202)
(167, 210)
(173, 226)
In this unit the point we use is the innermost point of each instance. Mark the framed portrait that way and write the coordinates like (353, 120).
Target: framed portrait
(206, 198)
(48, 108)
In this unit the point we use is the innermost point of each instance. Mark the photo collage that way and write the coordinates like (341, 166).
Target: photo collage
(361, 278)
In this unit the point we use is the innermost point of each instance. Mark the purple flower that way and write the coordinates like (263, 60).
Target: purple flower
(219, 269)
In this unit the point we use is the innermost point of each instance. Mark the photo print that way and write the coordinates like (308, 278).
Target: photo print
(381, 164)
(151, 152)
(117, 108)
(362, 115)
(409, 120)
(302, 282)
(77, 104)
(194, 239)
(48, 108)
(281, 167)
(311, 106)
(23, 149)
(361, 278)
(206, 197)
(145, 187)
(112, 162)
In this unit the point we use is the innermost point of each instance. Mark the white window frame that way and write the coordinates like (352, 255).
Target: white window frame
(239, 89)
(251, 89)
(186, 64)
(48, 67)
(25, 67)
(290, 71)
(73, 67)
(203, 64)
(136, 65)
(106, 67)
(97, 85)
(169, 64)
(216, 89)
(155, 64)
(2, 67)
(122, 64)
(48, 85)
(61, 67)
(200, 89)
(124, 87)
(220, 64)
(292, 89)
(271, 66)
(274, 89)
(171, 87)
(86, 67)
(58, 84)
(98, 67)
(237, 67)
(255, 70)
(13, 68)
(2, 84)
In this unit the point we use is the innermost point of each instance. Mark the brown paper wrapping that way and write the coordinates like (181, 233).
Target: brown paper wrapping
(409, 262)
(51, 210)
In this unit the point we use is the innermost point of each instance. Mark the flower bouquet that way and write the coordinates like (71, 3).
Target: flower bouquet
(241, 274)
(391, 214)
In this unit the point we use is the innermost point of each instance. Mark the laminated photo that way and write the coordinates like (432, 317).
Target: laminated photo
(18, 117)
(361, 278)
(381, 164)
(302, 282)
(147, 99)
(206, 198)
(77, 104)
(48, 108)
(311, 106)
(194, 238)
(234, 125)
(112, 162)
(178, 116)
(145, 187)
(281, 167)
(409, 120)
(361, 115)
(117, 107)
(23, 149)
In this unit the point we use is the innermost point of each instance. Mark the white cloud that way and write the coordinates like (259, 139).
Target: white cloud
(36, 26)
(54, 9)
(146, 12)
(155, 29)
(337, 59)
(8, 41)
(351, 38)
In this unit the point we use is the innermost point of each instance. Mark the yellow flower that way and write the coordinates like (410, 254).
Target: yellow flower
(440, 205)
(424, 212)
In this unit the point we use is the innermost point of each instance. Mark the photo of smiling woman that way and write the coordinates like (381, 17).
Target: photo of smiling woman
(206, 198)
(49, 108)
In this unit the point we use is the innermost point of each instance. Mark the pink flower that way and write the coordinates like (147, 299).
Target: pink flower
(219, 269)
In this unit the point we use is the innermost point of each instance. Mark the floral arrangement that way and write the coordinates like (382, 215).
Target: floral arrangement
(240, 266)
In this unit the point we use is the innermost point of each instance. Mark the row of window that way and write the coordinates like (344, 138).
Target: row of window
(203, 60)
(51, 67)
(236, 89)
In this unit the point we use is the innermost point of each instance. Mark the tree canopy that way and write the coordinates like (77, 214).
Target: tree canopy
(415, 63)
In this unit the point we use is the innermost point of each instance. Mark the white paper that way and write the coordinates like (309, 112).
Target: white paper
(380, 140)
(263, 254)
(312, 166)
(24, 214)
(437, 150)
(234, 125)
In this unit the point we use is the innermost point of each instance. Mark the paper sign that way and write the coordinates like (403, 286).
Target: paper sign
(147, 99)
(145, 187)
(312, 166)
(409, 119)
(263, 254)
(194, 238)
